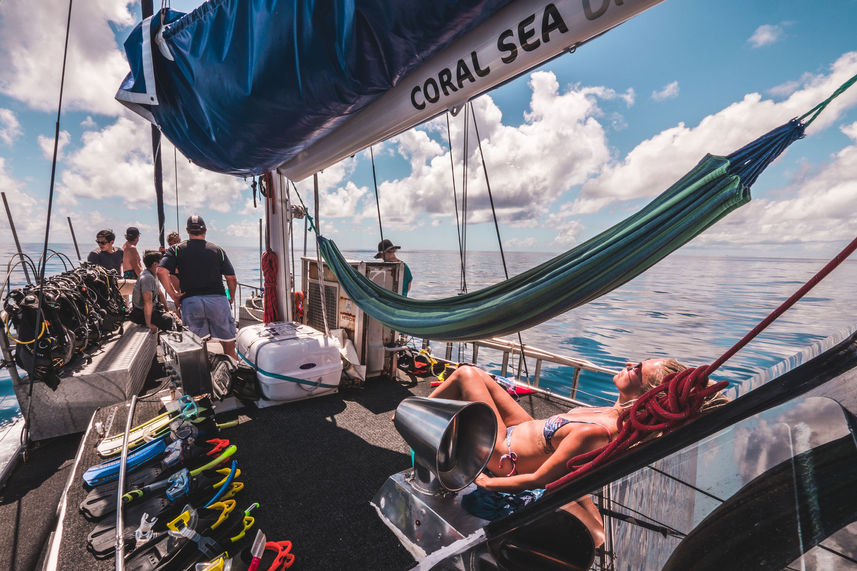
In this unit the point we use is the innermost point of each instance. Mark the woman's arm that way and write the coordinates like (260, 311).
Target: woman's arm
(582, 438)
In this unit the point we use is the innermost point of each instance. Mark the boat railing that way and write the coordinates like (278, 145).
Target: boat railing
(242, 311)
(508, 347)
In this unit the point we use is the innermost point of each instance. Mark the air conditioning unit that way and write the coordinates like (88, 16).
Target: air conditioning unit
(368, 335)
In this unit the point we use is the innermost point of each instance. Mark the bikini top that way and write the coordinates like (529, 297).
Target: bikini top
(556, 422)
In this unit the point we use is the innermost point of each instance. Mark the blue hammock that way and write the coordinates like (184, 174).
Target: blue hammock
(712, 189)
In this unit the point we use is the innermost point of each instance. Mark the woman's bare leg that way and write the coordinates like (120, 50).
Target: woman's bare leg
(474, 384)
(584, 510)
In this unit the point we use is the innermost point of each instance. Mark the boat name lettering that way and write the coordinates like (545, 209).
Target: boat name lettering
(594, 15)
(525, 34)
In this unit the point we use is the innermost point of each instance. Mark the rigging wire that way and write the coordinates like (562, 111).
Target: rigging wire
(465, 158)
(39, 314)
(320, 265)
(306, 217)
(522, 357)
(377, 198)
(176, 179)
(291, 240)
(455, 196)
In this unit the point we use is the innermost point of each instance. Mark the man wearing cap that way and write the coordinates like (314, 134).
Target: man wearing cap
(387, 251)
(204, 305)
(131, 259)
(105, 255)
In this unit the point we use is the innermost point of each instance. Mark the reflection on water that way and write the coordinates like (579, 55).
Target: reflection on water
(693, 308)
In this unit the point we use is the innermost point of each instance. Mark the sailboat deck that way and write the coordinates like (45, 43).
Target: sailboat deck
(312, 465)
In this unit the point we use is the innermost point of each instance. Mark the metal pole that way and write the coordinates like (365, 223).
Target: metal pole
(15, 235)
(261, 278)
(120, 525)
(147, 8)
(73, 238)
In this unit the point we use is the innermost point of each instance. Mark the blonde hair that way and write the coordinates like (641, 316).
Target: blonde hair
(669, 366)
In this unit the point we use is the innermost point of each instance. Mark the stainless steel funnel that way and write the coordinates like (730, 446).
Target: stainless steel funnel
(452, 440)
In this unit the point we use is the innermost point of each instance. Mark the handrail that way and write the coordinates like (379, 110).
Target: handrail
(240, 300)
(508, 347)
(120, 525)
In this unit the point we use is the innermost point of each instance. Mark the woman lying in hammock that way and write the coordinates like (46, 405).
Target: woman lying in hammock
(530, 453)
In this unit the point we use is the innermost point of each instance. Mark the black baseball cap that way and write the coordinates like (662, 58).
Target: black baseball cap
(132, 232)
(195, 223)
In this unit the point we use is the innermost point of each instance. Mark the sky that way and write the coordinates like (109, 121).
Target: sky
(570, 149)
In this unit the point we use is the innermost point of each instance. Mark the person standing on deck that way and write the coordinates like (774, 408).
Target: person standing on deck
(105, 255)
(387, 251)
(204, 305)
(131, 258)
(173, 238)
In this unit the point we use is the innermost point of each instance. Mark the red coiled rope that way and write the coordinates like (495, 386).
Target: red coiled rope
(269, 274)
(678, 400)
(269, 258)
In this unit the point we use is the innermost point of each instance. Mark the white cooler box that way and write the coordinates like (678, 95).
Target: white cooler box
(292, 361)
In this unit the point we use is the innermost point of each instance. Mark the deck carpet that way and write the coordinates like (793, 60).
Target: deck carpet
(29, 501)
(313, 466)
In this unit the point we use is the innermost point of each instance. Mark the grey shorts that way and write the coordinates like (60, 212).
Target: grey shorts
(209, 315)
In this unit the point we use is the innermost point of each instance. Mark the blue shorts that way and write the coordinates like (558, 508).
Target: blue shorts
(209, 315)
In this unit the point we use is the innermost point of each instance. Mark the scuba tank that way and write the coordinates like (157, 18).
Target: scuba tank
(80, 306)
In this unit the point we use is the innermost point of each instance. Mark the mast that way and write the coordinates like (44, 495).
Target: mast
(147, 8)
(279, 229)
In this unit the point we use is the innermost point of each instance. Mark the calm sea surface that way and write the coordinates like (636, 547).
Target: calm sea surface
(692, 308)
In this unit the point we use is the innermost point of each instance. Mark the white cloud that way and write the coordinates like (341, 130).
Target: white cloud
(766, 35)
(32, 35)
(115, 165)
(657, 162)
(564, 125)
(10, 128)
(27, 212)
(89, 123)
(244, 229)
(47, 145)
(818, 207)
(669, 91)
(520, 243)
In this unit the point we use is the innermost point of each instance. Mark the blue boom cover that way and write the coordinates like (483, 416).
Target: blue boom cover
(240, 86)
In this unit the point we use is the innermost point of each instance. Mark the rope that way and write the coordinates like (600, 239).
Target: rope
(678, 400)
(176, 180)
(269, 271)
(815, 111)
(377, 199)
(319, 263)
(455, 199)
(40, 317)
(523, 359)
(464, 160)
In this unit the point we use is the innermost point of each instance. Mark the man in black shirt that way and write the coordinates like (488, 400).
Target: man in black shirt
(204, 306)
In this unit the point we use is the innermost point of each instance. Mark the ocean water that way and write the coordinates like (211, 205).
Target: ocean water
(688, 307)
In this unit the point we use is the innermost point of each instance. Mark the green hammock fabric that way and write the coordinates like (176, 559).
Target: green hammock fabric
(702, 197)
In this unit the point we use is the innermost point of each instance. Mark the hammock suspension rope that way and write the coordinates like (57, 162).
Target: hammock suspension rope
(377, 199)
(678, 400)
(522, 360)
(462, 283)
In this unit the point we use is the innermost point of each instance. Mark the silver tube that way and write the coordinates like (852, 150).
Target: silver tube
(120, 525)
